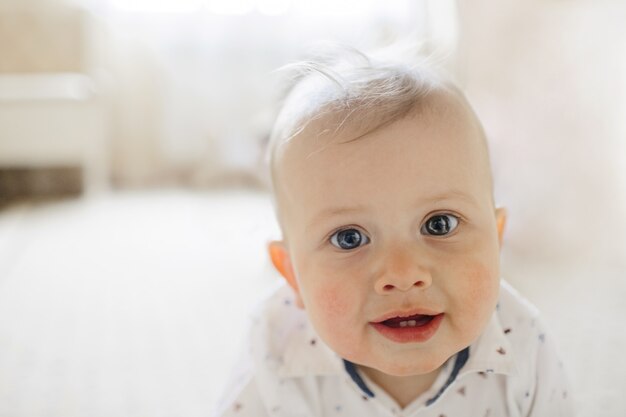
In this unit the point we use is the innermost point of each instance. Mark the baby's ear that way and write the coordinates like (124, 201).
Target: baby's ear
(500, 223)
(282, 262)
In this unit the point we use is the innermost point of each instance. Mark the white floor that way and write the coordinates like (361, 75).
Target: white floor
(134, 305)
(130, 305)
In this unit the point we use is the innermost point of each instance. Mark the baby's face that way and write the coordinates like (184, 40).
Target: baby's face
(393, 239)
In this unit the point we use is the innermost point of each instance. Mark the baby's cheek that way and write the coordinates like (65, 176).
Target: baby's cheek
(332, 302)
(479, 289)
(336, 319)
(333, 314)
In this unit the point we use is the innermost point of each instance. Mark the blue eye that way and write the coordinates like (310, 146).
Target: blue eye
(440, 225)
(348, 239)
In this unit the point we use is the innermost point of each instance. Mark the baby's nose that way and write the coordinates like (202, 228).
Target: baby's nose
(402, 271)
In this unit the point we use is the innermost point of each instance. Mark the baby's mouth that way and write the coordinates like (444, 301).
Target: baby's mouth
(416, 320)
(412, 328)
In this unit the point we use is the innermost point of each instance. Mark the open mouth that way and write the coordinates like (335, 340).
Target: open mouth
(410, 321)
(416, 328)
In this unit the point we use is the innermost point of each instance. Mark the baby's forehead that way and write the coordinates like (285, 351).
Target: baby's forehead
(346, 143)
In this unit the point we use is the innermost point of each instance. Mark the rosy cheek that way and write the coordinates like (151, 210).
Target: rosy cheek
(479, 288)
(332, 302)
(337, 320)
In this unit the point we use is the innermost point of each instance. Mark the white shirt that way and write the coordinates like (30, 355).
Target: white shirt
(511, 370)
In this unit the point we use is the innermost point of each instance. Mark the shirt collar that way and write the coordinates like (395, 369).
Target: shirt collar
(492, 351)
(306, 354)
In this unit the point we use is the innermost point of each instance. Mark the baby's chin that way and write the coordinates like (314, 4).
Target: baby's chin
(401, 370)
(405, 366)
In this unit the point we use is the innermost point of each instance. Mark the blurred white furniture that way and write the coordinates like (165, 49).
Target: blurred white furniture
(51, 115)
(50, 120)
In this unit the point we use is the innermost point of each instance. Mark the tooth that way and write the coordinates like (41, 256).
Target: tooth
(412, 323)
(403, 324)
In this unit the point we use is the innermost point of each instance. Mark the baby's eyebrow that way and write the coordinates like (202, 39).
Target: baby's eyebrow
(448, 195)
(335, 211)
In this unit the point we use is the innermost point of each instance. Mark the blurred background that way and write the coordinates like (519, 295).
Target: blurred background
(134, 213)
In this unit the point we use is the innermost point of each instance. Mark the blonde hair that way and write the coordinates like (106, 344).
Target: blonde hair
(351, 89)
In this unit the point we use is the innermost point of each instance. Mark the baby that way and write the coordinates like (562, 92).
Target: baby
(393, 303)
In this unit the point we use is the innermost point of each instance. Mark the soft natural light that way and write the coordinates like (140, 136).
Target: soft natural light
(135, 205)
(239, 7)
(232, 7)
(273, 7)
(157, 6)
(443, 21)
(331, 7)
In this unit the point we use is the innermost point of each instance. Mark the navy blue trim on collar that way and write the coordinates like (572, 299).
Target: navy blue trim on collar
(461, 359)
(351, 369)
